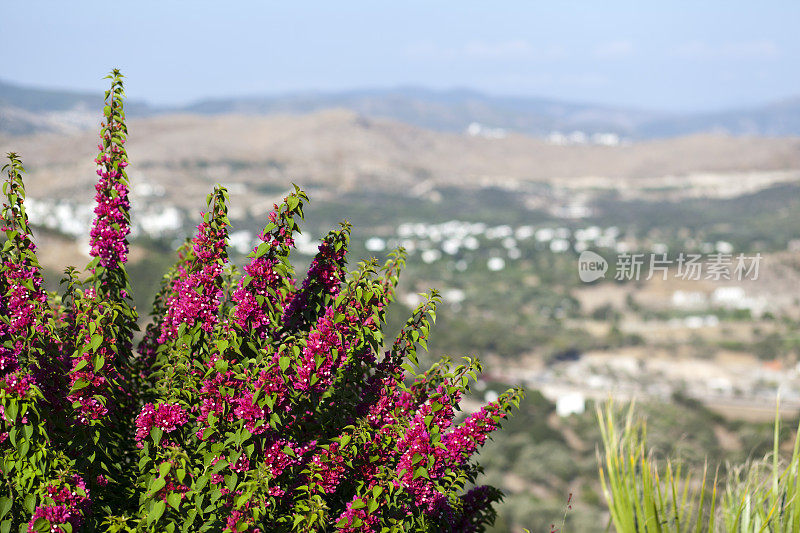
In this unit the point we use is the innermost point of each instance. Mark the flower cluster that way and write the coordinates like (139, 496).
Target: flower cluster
(16, 384)
(111, 228)
(330, 463)
(456, 447)
(95, 380)
(357, 518)
(198, 291)
(324, 277)
(255, 403)
(323, 352)
(253, 297)
(24, 293)
(109, 232)
(465, 438)
(216, 404)
(265, 276)
(8, 361)
(22, 300)
(70, 501)
(417, 446)
(166, 416)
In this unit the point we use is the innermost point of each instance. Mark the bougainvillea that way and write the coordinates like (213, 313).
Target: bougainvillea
(256, 403)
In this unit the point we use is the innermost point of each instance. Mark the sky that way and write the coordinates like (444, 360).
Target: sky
(662, 55)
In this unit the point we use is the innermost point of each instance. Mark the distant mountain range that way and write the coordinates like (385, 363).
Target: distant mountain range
(25, 110)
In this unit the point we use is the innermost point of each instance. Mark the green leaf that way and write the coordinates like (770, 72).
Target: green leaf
(5, 505)
(156, 511)
(80, 384)
(201, 482)
(11, 410)
(29, 503)
(358, 504)
(222, 463)
(262, 249)
(157, 484)
(242, 499)
(96, 341)
(189, 519)
(163, 470)
(174, 500)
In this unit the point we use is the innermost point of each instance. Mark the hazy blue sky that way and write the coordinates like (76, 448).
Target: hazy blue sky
(680, 55)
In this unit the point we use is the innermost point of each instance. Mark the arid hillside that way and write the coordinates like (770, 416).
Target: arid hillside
(337, 151)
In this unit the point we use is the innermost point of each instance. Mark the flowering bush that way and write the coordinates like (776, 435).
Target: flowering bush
(251, 403)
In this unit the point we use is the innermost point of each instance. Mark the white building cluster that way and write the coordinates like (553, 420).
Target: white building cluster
(155, 220)
(503, 242)
(578, 137)
(731, 297)
(476, 129)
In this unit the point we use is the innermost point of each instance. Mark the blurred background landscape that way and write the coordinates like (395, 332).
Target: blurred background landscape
(494, 153)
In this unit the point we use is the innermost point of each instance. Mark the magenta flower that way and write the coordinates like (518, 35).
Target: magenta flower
(324, 276)
(16, 384)
(167, 416)
(198, 291)
(465, 438)
(324, 352)
(23, 302)
(110, 229)
(108, 236)
(70, 503)
(261, 293)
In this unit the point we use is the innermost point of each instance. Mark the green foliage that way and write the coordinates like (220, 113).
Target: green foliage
(643, 497)
(764, 495)
(759, 495)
